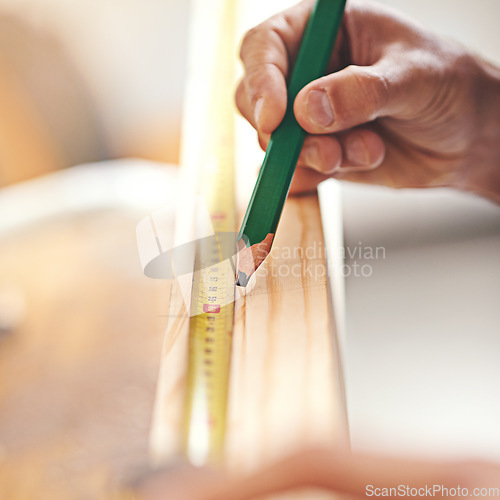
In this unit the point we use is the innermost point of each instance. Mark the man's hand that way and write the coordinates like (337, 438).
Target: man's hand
(400, 106)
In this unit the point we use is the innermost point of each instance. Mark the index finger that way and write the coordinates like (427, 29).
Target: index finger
(266, 52)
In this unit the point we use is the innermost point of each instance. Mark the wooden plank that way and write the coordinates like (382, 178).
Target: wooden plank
(286, 390)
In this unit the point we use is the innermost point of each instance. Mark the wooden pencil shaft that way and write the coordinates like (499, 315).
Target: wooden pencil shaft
(275, 176)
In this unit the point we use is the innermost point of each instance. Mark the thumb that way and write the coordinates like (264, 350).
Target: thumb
(347, 98)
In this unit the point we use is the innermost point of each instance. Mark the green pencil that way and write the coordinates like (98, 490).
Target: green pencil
(273, 183)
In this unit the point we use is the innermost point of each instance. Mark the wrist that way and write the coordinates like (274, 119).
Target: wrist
(482, 173)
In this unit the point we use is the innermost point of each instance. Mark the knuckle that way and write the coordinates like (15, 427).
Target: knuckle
(380, 90)
(373, 86)
(258, 77)
(252, 38)
(263, 79)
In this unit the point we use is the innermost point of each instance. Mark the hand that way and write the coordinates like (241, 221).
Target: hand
(399, 106)
(334, 470)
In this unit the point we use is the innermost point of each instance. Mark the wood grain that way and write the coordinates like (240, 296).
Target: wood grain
(77, 374)
(286, 389)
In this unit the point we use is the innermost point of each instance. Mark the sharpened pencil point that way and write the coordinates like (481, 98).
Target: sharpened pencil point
(250, 258)
(242, 279)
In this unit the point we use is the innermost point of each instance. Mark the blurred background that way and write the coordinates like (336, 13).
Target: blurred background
(103, 79)
(80, 325)
(85, 81)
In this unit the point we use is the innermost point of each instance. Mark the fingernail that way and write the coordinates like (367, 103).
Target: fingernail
(320, 108)
(310, 154)
(357, 152)
(257, 110)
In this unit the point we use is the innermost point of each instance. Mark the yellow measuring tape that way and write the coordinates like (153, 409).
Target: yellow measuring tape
(212, 301)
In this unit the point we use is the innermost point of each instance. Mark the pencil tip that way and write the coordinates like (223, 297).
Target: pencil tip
(250, 258)
(242, 279)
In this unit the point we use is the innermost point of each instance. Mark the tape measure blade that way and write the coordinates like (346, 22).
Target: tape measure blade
(208, 161)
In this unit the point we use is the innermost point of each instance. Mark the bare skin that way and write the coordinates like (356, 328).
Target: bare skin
(401, 107)
(327, 469)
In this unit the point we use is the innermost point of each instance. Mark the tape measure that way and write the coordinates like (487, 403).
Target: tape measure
(212, 300)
